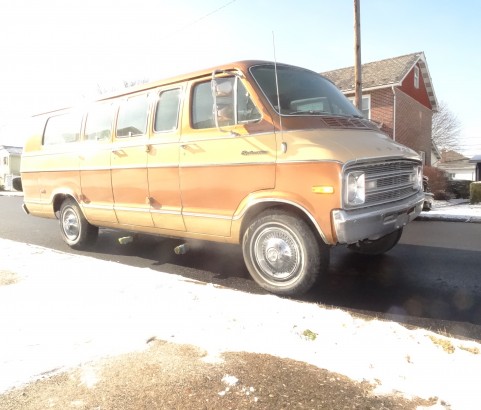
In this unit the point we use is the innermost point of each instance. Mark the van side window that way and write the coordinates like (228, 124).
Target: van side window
(62, 129)
(202, 106)
(132, 120)
(234, 104)
(167, 111)
(99, 123)
(246, 110)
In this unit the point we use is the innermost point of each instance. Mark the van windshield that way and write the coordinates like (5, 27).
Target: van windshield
(302, 92)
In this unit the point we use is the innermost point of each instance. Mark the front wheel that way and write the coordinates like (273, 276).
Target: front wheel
(379, 246)
(283, 254)
(75, 230)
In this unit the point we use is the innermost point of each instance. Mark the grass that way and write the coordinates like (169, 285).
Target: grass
(448, 347)
(309, 334)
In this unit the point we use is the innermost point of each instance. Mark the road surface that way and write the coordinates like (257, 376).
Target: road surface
(432, 278)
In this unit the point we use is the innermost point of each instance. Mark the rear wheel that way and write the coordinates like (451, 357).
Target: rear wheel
(283, 254)
(75, 230)
(379, 246)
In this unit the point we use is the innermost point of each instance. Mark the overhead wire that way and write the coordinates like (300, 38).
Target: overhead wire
(194, 22)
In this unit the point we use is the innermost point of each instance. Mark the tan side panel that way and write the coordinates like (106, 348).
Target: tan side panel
(212, 194)
(97, 196)
(164, 185)
(217, 171)
(130, 185)
(297, 180)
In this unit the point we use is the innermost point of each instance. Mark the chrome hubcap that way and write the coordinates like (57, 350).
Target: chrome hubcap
(277, 254)
(71, 225)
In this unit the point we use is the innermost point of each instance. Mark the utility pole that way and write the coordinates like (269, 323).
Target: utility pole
(357, 55)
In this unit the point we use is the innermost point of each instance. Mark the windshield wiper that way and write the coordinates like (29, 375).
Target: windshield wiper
(309, 112)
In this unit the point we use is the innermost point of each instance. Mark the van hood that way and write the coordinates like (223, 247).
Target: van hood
(343, 145)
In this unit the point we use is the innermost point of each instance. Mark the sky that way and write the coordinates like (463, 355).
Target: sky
(59, 52)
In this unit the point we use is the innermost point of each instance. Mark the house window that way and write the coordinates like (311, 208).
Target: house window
(365, 105)
(5, 160)
(416, 77)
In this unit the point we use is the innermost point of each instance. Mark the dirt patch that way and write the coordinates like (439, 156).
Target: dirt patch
(8, 278)
(182, 377)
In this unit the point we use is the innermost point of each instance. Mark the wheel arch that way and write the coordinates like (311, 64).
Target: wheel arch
(259, 206)
(59, 198)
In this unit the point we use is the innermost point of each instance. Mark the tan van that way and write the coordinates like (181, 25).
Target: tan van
(269, 156)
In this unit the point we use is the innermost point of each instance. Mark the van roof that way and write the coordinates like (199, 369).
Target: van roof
(242, 65)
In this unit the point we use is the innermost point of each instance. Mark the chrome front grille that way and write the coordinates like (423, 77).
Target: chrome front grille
(387, 181)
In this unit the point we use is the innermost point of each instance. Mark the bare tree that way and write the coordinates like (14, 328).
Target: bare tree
(102, 89)
(446, 128)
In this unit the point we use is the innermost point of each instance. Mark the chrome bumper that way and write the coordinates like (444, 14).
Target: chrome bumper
(373, 223)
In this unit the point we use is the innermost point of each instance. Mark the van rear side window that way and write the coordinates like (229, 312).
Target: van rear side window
(62, 129)
(167, 111)
(132, 119)
(99, 123)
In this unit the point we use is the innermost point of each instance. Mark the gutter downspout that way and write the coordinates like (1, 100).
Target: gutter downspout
(394, 114)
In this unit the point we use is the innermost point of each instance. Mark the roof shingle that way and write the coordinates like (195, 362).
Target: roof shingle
(383, 73)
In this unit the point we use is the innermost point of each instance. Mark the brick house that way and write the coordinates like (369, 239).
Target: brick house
(397, 93)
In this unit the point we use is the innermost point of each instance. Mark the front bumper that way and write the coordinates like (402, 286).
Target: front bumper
(373, 223)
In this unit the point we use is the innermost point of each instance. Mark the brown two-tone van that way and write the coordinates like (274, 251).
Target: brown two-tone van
(269, 156)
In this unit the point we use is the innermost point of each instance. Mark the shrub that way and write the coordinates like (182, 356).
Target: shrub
(475, 193)
(459, 188)
(442, 196)
(438, 180)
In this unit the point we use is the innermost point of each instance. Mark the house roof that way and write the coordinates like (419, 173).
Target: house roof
(11, 150)
(390, 72)
(452, 156)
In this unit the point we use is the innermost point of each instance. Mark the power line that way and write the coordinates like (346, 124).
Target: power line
(209, 14)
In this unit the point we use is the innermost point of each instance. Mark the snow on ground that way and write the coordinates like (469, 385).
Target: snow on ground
(455, 209)
(60, 310)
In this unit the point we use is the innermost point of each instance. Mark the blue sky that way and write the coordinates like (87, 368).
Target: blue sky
(55, 52)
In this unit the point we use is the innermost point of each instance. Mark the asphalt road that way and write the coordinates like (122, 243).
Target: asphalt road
(432, 278)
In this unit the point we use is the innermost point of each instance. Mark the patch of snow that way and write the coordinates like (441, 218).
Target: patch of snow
(455, 209)
(230, 380)
(67, 310)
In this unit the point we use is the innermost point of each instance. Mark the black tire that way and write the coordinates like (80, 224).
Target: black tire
(75, 230)
(282, 253)
(379, 246)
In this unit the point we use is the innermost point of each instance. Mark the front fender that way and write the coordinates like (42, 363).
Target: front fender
(257, 202)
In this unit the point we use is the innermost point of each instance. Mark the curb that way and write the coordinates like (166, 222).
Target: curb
(451, 218)
(11, 193)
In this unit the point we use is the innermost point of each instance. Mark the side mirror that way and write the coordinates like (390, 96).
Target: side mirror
(222, 88)
(223, 93)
